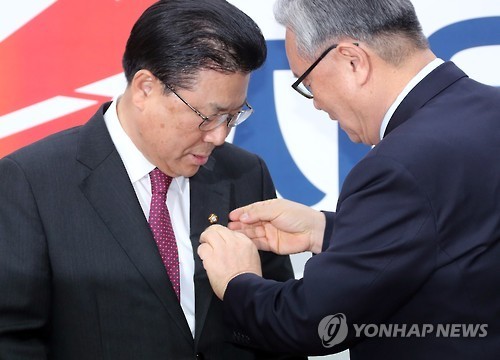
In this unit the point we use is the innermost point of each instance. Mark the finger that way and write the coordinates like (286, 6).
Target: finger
(255, 233)
(228, 235)
(250, 213)
(252, 231)
(242, 238)
(237, 213)
(228, 238)
(212, 236)
(260, 211)
(210, 231)
(235, 225)
(205, 251)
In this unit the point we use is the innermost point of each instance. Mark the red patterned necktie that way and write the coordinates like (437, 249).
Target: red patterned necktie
(161, 226)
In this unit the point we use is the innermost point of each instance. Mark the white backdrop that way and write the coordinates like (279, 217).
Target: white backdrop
(307, 155)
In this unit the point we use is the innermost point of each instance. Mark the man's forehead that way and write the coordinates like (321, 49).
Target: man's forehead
(294, 59)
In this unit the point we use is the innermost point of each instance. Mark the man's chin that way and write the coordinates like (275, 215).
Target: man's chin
(191, 171)
(354, 138)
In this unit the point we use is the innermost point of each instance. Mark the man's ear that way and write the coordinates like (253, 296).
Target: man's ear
(358, 60)
(142, 86)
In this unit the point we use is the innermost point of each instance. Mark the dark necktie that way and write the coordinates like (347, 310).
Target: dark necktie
(161, 226)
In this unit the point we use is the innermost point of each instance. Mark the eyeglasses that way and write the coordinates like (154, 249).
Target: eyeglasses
(303, 89)
(213, 121)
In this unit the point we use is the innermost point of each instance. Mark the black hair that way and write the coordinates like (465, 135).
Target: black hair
(175, 39)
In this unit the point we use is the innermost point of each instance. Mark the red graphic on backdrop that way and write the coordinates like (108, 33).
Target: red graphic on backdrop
(69, 45)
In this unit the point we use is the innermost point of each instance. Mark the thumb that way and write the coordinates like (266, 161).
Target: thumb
(259, 211)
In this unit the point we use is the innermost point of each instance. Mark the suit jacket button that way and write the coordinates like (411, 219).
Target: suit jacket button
(199, 356)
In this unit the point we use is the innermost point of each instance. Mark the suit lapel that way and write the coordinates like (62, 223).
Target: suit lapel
(433, 84)
(210, 194)
(108, 189)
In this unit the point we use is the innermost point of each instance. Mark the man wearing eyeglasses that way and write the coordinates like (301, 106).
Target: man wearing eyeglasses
(407, 267)
(100, 224)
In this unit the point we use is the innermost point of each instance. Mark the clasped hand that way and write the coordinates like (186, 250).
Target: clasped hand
(277, 225)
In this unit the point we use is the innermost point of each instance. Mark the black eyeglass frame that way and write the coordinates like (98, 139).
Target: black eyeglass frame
(301, 78)
(217, 122)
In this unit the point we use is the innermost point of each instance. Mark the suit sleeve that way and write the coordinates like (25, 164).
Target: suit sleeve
(383, 242)
(24, 268)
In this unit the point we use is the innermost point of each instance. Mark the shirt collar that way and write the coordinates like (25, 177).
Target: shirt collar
(413, 82)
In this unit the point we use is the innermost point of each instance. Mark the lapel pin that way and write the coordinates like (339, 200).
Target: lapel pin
(213, 219)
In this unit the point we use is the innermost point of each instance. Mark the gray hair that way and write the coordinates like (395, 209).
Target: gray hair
(390, 27)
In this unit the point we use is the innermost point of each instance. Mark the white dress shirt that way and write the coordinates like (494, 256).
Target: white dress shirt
(413, 82)
(178, 203)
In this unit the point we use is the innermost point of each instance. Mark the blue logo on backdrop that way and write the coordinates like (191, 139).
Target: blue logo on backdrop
(263, 136)
(463, 35)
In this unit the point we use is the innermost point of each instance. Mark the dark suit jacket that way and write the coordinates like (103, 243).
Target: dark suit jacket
(415, 239)
(80, 273)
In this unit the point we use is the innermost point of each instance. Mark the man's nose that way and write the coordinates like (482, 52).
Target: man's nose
(218, 135)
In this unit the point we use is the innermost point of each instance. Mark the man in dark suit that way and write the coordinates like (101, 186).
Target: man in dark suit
(408, 265)
(81, 273)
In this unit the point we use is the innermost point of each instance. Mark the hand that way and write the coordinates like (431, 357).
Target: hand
(280, 226)
(226, 254)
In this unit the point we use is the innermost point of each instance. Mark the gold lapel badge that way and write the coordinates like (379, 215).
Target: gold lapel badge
(213, 219)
